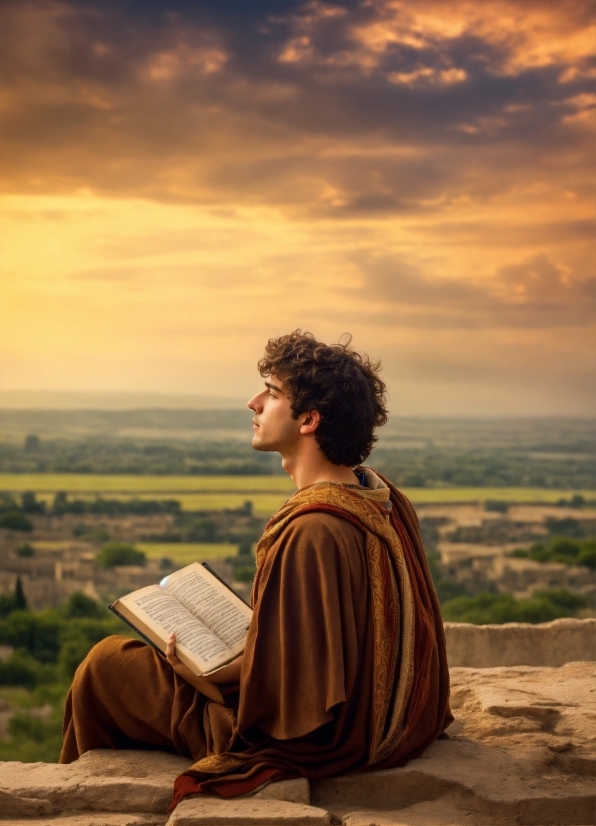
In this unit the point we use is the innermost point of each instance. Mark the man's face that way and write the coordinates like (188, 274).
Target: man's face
(273, 425)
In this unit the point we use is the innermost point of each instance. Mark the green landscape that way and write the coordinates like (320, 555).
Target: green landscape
(157, 489)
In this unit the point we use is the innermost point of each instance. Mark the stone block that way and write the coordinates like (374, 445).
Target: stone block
(204, 810)
(95, 819)
(294, 791)
(102, 780)
(549, 644)
(522, 750)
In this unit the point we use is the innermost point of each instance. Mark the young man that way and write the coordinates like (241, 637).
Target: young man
(344, 667)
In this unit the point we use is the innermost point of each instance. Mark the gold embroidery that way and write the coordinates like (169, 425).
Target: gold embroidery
(216, 764)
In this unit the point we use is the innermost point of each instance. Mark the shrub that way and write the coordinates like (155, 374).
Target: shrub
(30, 504)
(7, 605)
(587, 555)
(32, 442)
(245, 574)
(72, 653)
(119, 553)
(15, 522)
(80, 605)
(25, 550)
(496, 506)
(37, 634)
(32, 739)
(561, 549)
(488, 608)
(245, 547)
(21, 669)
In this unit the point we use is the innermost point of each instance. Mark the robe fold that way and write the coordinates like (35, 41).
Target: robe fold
(344, 668)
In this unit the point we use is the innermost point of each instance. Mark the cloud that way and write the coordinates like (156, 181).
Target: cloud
(395, 168)
(534, 293)
(199, 106)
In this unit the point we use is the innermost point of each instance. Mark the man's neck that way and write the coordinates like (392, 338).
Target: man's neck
(314, 467)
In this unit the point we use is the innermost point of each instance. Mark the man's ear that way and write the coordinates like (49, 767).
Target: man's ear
(311, 422)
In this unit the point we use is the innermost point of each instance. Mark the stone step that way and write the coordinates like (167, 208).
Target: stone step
(292, 791)
(110, 782)
(102, 780)
(487, 780)
(252, 811)
(522, 750)
(95, 819)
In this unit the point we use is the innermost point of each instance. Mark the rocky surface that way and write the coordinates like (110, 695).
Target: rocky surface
(521, 751)
(517, 643)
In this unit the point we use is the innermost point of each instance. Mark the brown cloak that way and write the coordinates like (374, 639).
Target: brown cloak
(345, 666)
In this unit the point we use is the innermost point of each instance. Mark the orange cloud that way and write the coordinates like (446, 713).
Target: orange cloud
(179, 186)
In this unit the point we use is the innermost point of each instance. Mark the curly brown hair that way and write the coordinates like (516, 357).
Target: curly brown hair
(341, 384)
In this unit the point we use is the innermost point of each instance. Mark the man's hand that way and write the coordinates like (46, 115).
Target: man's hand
(201, 683)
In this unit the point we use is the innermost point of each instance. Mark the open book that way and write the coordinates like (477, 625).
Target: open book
(210, 620)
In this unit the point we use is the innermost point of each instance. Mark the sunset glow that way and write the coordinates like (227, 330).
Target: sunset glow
(181, 181)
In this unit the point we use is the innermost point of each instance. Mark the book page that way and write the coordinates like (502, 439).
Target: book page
(226, 618)
(190, 632)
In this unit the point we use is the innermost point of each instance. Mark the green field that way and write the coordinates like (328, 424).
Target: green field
(104, 484)
(183, 553)
(267, 493)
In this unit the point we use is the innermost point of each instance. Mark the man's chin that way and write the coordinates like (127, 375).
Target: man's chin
(257, 444)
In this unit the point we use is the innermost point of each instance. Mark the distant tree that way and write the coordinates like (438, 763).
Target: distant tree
(18, 669)
(6, 605)
(60, 503)
(120, 553)
(72, 653)
(37, 633)
(561, 549)
(499, 608)
(20, 601)
(245, 574)
(29, 503)
(202, 529)
(245, 547)
(25, 550)
(8, 504)
(566, 548)
(80, 605)
(572, 528)
(32, 442)
(15, 522)
(496, 506)
(587, 555)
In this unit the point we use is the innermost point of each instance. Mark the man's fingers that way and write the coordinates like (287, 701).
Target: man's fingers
(171, 650)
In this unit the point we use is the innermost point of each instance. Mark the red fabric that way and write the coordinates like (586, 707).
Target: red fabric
(225, 786)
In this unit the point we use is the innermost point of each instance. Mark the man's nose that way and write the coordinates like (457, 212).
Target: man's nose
(252, 404)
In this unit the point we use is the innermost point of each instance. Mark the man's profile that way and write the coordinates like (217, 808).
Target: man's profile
(344, 667)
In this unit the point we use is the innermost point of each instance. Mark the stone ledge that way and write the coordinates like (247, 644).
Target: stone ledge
(110, 781)
(550, 644)
(102, 780)
(522, 750)
(94, 819)
(210, 811)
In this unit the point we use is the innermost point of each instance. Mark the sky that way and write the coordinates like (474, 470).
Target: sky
(181, 181)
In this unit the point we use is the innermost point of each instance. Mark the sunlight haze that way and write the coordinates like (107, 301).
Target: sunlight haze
(182, 181)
